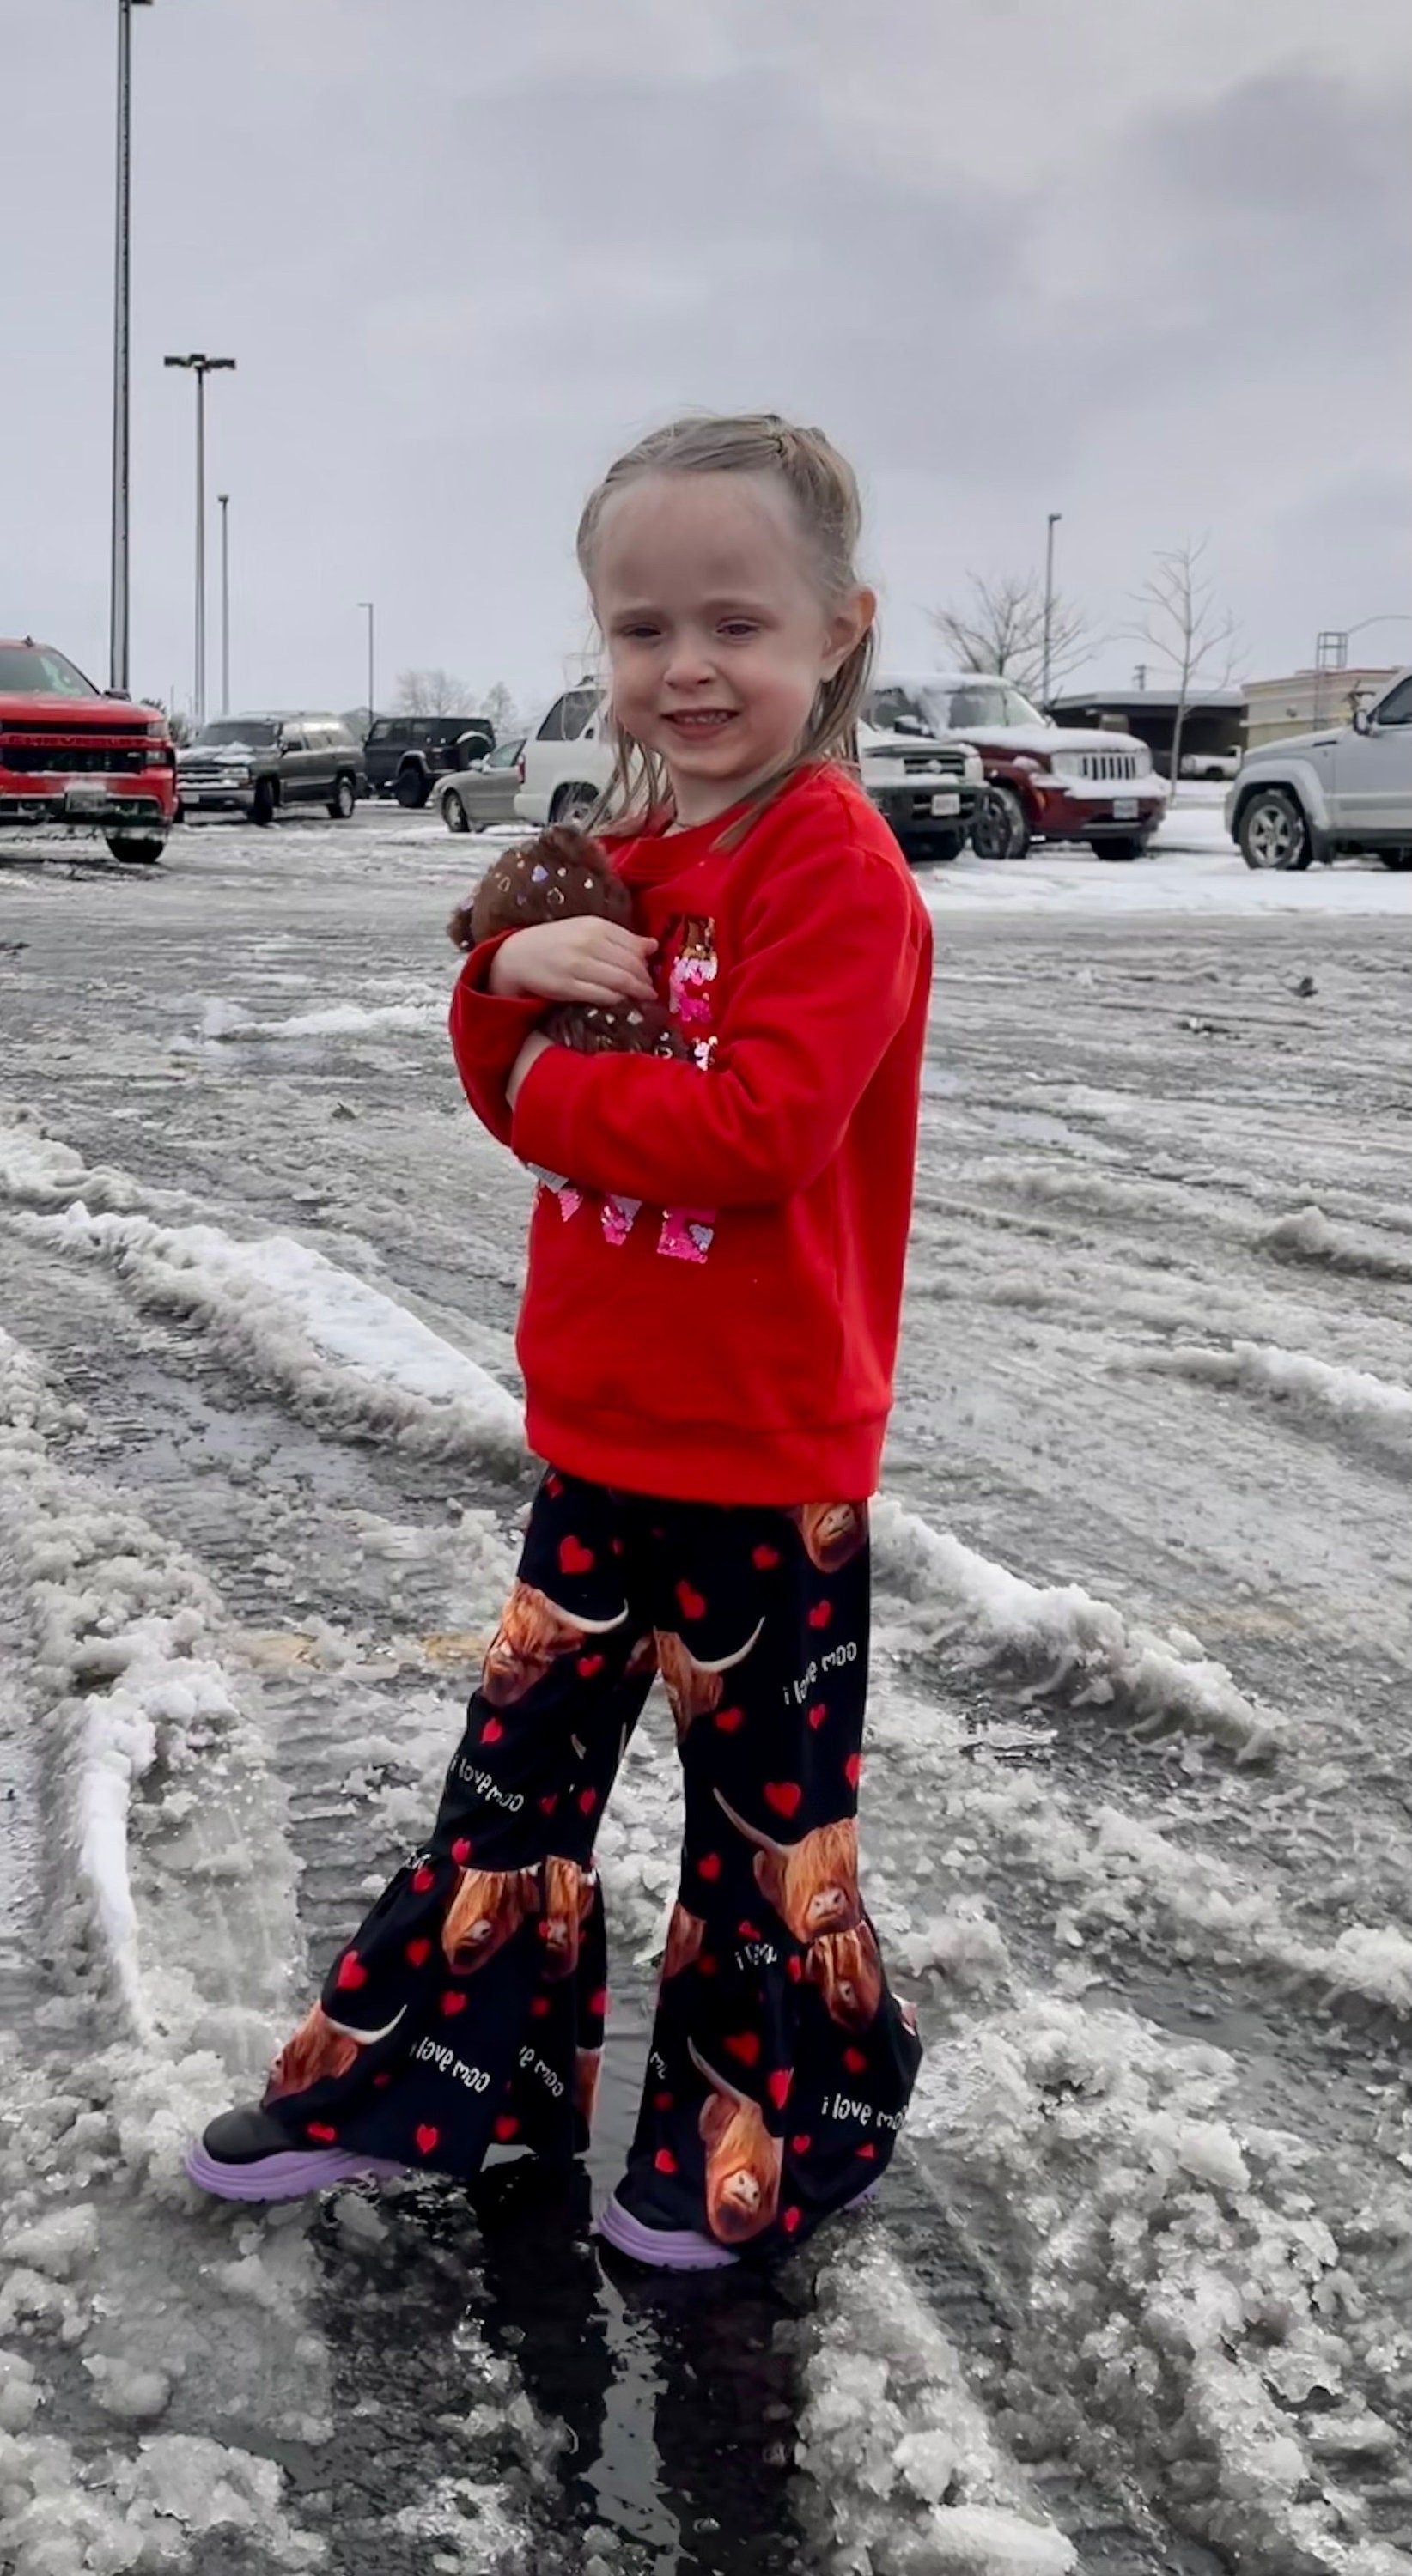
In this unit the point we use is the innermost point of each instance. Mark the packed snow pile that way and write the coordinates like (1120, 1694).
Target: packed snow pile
(221, 1022)
(1352, 1398)
(38, 1172)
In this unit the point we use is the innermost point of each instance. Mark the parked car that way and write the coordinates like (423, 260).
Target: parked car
(1210, 764)
(1044, 782)
(259, 765)
(1327, 795)
(471, 799)
(407, 754)
(72, 753)
(927, 790)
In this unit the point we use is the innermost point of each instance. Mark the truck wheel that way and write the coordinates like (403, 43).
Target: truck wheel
(1001, 829)
(1123, 846)
(343, 799)
(413, 788)
(265, 801)
(920, 847)
(144, 849)
(574, 804)
(1273, 832)
(453, 812)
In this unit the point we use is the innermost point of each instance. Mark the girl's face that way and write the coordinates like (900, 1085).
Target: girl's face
(717, 635)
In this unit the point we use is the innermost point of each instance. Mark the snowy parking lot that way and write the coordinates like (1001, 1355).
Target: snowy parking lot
(1138, 2298)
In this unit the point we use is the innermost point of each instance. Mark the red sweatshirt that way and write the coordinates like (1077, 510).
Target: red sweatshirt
(716, 1251)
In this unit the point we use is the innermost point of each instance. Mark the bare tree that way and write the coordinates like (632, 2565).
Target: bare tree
(1187, 629)
(500, 706)
(433, 693)
(1001, 629)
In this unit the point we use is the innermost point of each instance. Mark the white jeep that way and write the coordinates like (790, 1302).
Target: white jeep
(1325, 795)
(926, 790)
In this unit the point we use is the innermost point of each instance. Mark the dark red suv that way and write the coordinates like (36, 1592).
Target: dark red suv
(71, 754)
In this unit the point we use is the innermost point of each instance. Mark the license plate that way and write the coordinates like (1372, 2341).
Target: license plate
(81, 802)
(1125, 809)
(947, 804)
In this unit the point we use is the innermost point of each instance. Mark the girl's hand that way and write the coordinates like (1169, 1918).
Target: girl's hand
(534, 1047)
(574, 961)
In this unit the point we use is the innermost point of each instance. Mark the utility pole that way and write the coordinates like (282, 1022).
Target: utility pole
(1053, 521)
(223, 502)
(119, 614)
(367, 606)
(201, 367)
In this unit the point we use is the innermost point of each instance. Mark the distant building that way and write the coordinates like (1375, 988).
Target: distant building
(1214, 723)
(1307, 702)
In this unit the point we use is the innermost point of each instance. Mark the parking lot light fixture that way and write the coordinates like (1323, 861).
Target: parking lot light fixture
(367, 607)
(119, 615)
(201, 367)
(1053, 521)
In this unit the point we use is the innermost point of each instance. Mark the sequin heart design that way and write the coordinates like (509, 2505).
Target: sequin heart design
(351, 1973)
(506, 2127)
(766, 1558)
(461, 1851)
(417, 1953)
(800, 2146)
(821, 1614)
(590, 1666)
(453, 2003)
(777, 2085)
(744, 2046)
(665, 2161)
(728, 1719)
(817, 1715)
(492, 1731)
(783, 1797)
(422, 1879)
(790, 2219)
(325, 2136)
(588, 1800)
(690, 1601)
(855, 2061)
(574, 1557)
(709, 1867)
(852, 1769)
(427, 2138)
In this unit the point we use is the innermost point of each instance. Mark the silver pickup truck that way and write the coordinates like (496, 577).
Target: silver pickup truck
(1328, 795)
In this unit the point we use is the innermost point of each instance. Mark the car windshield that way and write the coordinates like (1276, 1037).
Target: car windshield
(37, 671)
(249, 732)
(950, 707)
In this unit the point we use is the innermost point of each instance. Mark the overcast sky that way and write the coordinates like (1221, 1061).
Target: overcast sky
(1141, 261)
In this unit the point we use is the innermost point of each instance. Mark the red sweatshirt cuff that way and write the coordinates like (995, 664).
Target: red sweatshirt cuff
(487, 1032)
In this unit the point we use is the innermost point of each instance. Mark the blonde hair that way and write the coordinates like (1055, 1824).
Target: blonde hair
(825, 493)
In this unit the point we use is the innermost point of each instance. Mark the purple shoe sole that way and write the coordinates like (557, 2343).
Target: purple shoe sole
(286, 2177)
(678, 2249)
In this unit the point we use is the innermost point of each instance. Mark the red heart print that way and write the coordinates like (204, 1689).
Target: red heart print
(427, 2137)
(767, 1558)
(749, 1932)
(506, 2127)
(789, 2220)
(539, 2006)
(855, 2061)
(590, 1666)
(783, 1796)
(553, 1486)
(800, 2146)
(868, 2155)
(574, 1557)
(705, 1965)
(692, 1604)
(617, 1546)
(852, 1769)
(461, 1851)
(384, 2078)
(351, 1972)
(796, 1967)
(422, 1879)
(744, 2045)
(817, 1715)
(598, 2002)
(777, 2085)
(821, 1614)
(548, 1805)
(492, 1731)
(665, 2161)
(453, 2003)
(709, 1867)
(728, 1719)
(325, 2136)
(661, 2101)
(417, 1953)
(588, 1800)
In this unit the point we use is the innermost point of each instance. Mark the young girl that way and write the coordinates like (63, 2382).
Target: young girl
(707, 1340)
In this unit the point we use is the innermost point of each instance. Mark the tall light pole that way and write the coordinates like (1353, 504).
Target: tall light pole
(119, 620)
(223, 502)
(367, 605)
(1053, 521)
(201, 367)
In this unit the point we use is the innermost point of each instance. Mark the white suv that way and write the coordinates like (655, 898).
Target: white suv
(926, 790)
(1321, 795)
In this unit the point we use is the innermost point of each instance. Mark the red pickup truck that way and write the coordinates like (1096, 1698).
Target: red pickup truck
(71, 755)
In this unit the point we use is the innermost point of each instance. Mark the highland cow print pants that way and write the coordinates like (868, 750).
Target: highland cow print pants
(468, 2007)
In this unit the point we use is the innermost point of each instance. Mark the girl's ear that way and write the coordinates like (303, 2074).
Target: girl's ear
(847, 628)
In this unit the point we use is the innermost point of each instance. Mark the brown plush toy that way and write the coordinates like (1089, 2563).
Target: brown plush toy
(562, 876)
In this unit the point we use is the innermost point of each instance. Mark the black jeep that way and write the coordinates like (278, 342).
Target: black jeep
(406, 754)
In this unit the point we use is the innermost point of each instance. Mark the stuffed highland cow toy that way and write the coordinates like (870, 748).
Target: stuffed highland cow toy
(561, 876)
